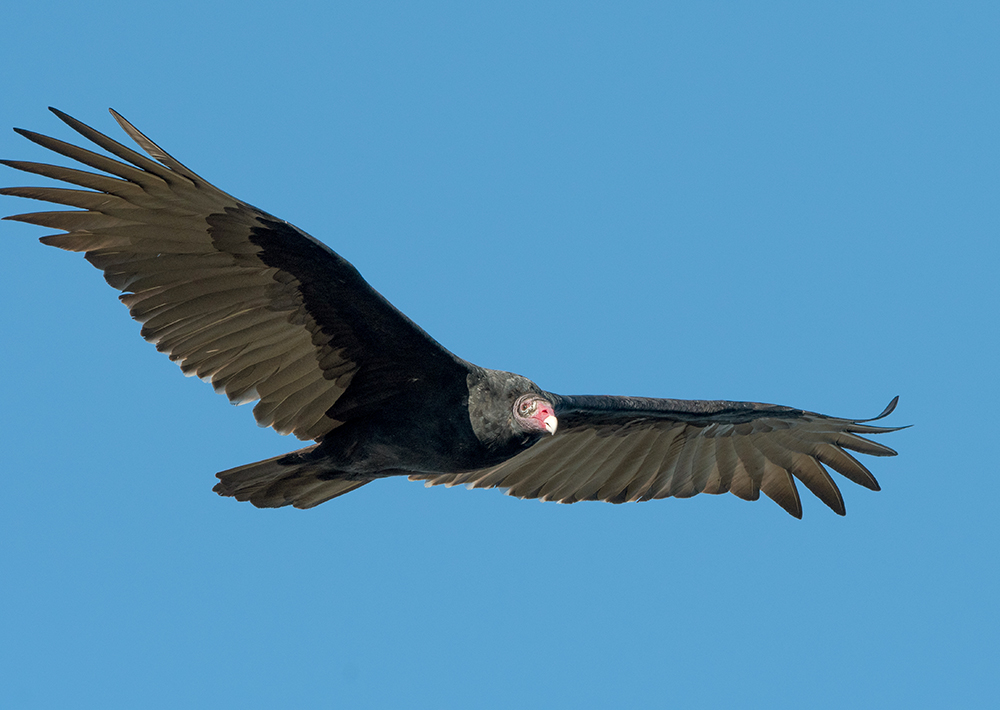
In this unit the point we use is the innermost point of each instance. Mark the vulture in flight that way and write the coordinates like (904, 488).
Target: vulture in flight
(267, 313)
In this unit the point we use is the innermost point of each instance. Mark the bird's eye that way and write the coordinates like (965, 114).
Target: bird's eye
(527, 407)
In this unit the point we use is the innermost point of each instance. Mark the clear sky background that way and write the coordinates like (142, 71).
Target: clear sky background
(770, 201)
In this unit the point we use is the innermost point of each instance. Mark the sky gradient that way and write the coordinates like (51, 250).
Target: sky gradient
(707, 200)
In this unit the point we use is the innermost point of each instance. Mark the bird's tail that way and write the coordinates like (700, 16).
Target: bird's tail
(289, 479)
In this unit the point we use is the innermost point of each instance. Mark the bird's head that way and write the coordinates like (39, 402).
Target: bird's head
(533, 413)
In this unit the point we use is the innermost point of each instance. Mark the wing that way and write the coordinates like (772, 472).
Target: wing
(233, 295)
(620, 449)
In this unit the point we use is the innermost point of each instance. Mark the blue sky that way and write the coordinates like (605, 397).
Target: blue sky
(771, 201)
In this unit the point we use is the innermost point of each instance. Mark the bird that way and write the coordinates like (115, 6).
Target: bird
(269, 314)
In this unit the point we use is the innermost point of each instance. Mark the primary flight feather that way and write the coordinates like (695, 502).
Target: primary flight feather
(267, 313)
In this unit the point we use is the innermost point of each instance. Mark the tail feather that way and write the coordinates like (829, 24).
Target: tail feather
(289, 479)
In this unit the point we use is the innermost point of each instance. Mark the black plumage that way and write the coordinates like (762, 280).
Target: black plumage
(267, 313)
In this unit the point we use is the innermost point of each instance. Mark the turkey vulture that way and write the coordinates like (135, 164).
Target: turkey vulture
(268, 313)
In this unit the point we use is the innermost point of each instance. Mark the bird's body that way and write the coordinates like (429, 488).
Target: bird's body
(267, 313)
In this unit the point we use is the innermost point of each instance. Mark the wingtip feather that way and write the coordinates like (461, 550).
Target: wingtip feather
(889, 408)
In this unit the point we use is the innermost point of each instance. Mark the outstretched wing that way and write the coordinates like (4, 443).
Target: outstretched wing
(621, 449)
(233, 295)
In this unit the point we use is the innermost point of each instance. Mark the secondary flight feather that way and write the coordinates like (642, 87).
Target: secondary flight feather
(267, 313)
